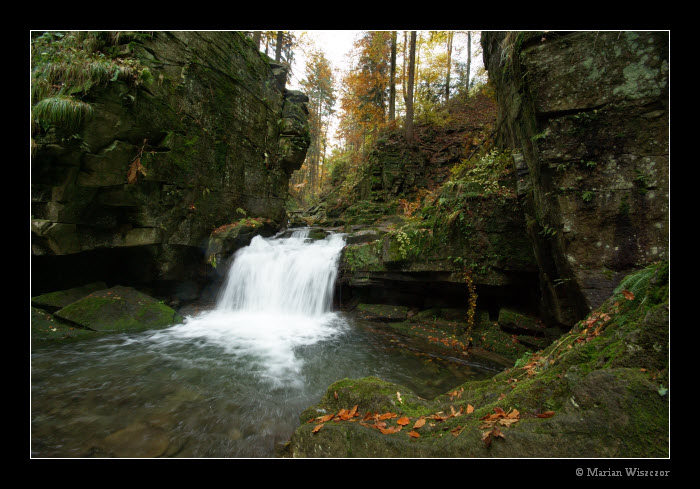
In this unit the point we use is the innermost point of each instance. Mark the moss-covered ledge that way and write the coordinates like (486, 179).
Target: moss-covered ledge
(601, 390)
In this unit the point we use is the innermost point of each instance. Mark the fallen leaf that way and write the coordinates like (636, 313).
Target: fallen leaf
(514, 414)
(546, 414)
(470, 409)
(413, 434)
(335, 394)
(419, 424)
(353, 411)
(501, 397)
(327, 417)
(387, 415)
(628, 295)
(318, 427)
(456, 431)
(486, 437)
(398, 396)
(403, 421)
(507, 421)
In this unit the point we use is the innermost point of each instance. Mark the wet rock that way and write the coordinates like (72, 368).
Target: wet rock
(381, 312)
(53, 301)
(119, 309)
(514, 321)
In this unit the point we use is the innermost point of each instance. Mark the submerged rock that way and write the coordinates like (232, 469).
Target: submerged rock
(119, 309)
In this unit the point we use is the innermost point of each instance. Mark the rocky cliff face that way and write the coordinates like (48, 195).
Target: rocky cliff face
(587, 113)
(205, 135)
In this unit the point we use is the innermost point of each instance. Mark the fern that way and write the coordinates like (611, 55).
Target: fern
(61, 111)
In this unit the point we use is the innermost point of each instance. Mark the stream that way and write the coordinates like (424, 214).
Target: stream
(228, 382)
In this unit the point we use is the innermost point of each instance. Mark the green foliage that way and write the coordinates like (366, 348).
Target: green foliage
(547, 231)
(489, 171)
(67, 65)
(587, 195)
(61, 111)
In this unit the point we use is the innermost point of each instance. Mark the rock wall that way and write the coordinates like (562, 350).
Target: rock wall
(217, 136)
(588, 114)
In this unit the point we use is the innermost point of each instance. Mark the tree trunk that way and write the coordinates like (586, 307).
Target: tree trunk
(278, 47)
(409, 96)
(392, 86)
(450, 35)
(256, 39)
(469, 56)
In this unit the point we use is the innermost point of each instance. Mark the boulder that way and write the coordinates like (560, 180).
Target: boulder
(53, 301)
(119, 309)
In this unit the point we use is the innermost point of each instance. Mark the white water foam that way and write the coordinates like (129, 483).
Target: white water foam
(277, 296)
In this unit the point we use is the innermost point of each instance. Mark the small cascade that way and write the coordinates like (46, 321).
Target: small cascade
(277, 297)
(288, 276)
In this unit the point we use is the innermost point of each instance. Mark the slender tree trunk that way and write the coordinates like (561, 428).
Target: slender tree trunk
(403, 74)
(469, 57)
(409, 96)
(392, 86)
(449, 65)
(256, 38)
(278, 47)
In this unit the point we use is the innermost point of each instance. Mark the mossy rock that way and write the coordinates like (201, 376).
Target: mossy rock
(317, 234)
(381, 312)
(119, 309)
(515, 321)
(53, 301)
(46, 329)
(607, 387)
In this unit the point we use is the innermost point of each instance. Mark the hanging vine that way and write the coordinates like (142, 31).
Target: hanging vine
(471, 312)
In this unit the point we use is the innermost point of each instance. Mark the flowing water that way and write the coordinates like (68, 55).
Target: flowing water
(229, 382)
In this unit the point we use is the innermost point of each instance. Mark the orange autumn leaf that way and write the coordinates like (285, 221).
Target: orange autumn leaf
(318, 427)
(501, 397)
(353, 411)
(327, 417)
(387, 416)
(403, 421)
(335, 394)
(514, 414)
(546, 414)
(419, 424)
(628, 295)
(413, 434)
(470, 409)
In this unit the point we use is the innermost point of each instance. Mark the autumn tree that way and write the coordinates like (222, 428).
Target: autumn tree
(318, 84)
(365, 90)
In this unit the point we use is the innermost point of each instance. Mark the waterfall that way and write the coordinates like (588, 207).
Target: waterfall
(277, 296)
(283, 276)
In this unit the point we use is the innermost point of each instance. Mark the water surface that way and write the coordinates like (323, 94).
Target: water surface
(229, 382)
